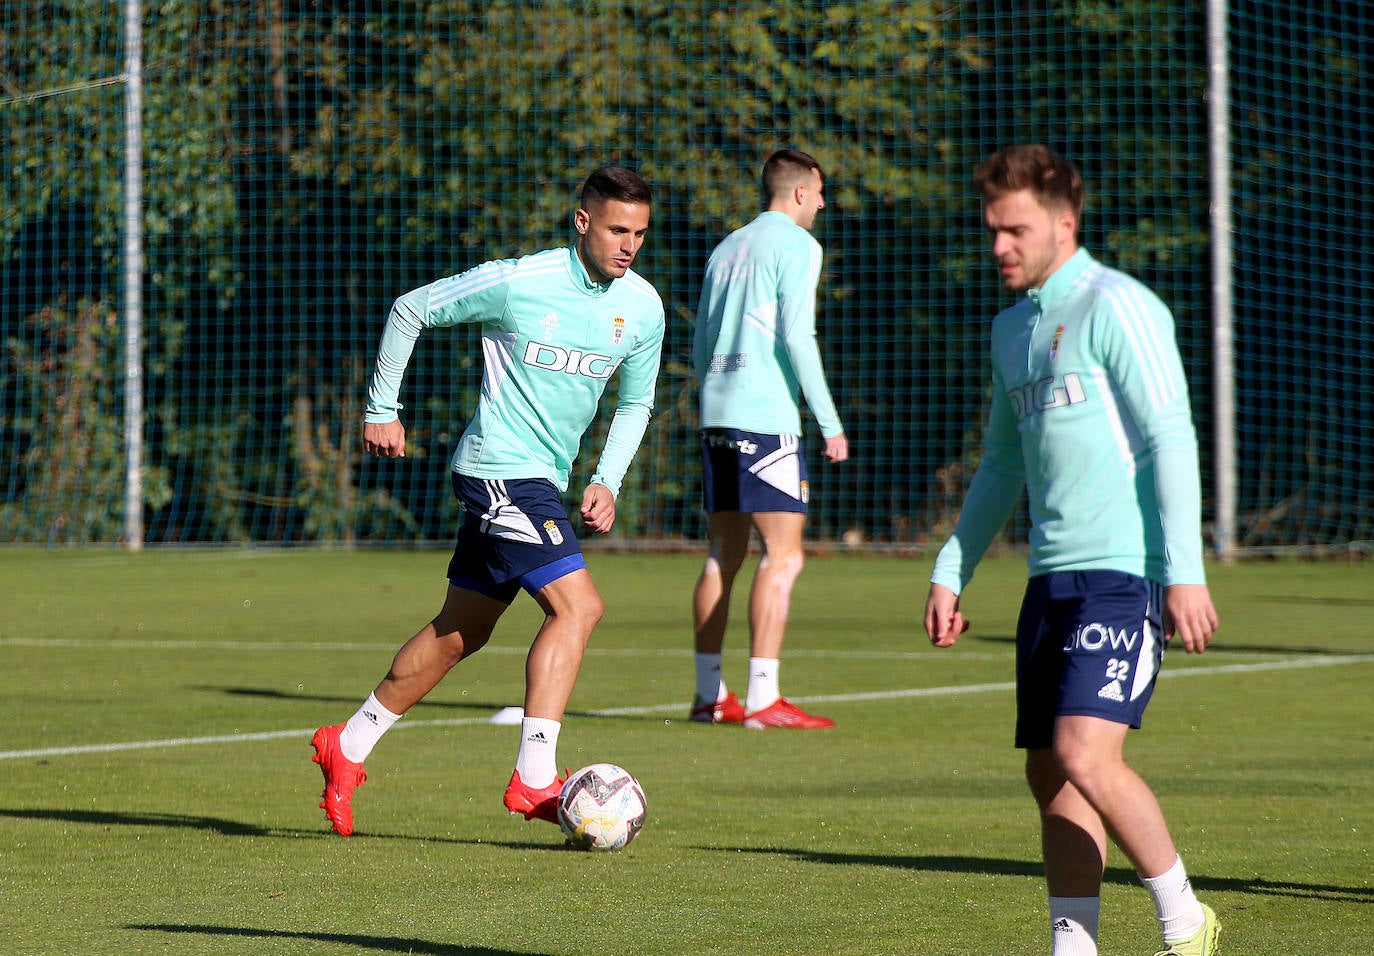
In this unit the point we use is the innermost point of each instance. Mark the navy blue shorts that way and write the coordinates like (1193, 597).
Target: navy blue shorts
(752, 472)
(1088, 643)
(515, 534)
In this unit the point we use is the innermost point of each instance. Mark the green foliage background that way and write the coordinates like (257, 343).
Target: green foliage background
(305, 163)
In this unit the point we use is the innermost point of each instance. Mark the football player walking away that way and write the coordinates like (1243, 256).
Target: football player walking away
(556, 325)
(754, 350)
(1090, 415)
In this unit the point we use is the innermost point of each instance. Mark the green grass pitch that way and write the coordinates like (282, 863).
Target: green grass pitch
(158, 794)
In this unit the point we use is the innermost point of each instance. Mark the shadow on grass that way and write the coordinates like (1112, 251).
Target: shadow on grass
(380, 944)
(187, 821)
(1115, 875)
(239, 829)
(269, 693)
(487, 707)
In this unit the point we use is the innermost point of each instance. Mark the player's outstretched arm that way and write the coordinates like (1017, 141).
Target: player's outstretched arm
(598, 508)
(385, 439)
(944, 622)
(1188, 612)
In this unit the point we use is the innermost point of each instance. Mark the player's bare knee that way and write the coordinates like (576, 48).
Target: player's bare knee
(453, 648)
(1044, 775)
(586, 613)
(785, 568)
(594, 610)
(725, 561)
(1083, 767)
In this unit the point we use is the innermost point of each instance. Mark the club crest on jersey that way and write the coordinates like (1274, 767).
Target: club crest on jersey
(617, 330)
(551, 529)
(1054, 343)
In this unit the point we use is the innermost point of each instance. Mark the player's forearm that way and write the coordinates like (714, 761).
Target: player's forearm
(638, 381)
(402, 329)
(806, 364)
(622, 441)
(1180, 511)
(991, 496)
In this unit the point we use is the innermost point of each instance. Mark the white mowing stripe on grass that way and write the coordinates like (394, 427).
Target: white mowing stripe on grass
(949, 691)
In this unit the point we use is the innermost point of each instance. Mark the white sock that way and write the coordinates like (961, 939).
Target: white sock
(1180, 913)
(365, 728)
(763, 683)
(1073, 923)
(710, 687)
(537, 760)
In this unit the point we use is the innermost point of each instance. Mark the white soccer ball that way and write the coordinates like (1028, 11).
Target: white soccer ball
(601, 807)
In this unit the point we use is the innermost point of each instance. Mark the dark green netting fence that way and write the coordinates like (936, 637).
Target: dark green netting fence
(305, 163)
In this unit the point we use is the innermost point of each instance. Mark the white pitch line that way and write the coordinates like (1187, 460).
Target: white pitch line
(948, 691)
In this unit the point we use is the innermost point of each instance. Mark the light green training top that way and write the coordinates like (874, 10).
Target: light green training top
(754, 347)
(1090, 415)
(551, 338)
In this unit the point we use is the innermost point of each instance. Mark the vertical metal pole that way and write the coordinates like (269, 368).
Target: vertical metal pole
(1223, 370)
(133, 275)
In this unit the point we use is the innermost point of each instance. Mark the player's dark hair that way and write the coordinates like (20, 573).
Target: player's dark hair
(787, 168)
(1052, 179)
(616, 182)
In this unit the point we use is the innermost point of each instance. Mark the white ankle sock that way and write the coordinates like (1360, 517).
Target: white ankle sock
(365, 728)
(710, 687)
(1073, 923)
(537, 760)
(1180, 913)
(763, 683)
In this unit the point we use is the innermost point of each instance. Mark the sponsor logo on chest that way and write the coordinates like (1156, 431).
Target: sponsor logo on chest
(1049, 392)
(555, 358)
